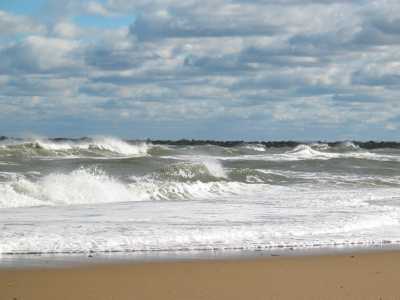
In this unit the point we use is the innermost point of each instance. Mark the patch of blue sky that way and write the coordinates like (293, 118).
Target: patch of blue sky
(22, 7)
(113, 22)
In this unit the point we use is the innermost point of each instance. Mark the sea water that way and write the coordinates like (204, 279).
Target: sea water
(105, 195)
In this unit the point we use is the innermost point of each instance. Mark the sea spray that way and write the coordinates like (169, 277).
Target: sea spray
(214, 167)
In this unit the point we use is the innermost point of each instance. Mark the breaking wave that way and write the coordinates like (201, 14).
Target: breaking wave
(347, 146)
(255, 147)
(206, 170)
(101, 146)
(87, 186)
(306, 152)
(312, 152)
(345, 150)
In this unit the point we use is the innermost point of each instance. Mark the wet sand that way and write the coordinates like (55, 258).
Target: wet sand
(347, 276)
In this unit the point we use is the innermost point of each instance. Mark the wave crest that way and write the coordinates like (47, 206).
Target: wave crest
(307, 152)
(100, 146)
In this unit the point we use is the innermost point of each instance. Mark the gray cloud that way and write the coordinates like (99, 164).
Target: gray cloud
(108, 58)
(383, 80)
(160, 27)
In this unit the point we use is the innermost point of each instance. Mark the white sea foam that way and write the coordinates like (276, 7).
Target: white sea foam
(280, 218)
(306, 152)
(256, 147)
(78, 187)
(214, 167)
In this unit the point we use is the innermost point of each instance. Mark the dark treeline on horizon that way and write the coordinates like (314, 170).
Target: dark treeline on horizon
(234, 143)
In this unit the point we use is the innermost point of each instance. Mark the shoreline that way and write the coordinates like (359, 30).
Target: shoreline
(356, 275)
(67, 260)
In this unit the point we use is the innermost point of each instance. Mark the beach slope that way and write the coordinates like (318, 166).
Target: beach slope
(350, 276)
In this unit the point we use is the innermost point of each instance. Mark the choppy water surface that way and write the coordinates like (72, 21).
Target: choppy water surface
(108, 195)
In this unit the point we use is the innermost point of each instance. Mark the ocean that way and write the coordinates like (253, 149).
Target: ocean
(106, 195)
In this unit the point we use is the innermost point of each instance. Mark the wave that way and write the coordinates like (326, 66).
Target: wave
(345, 150)
(94, 186)
(208, 155)
(214, 167)
(307, 152)
(205, 170)
(324, 178)
(181, 181)
(320, 146)
(227, 226)
(255, 147)
(78, 187)
(192, 242)
(100, 146)
(347, 145)
(315, 151)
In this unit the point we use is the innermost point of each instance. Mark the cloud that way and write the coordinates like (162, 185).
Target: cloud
(12, 24)
(383, 80)
(97, 9)
(164, 25)
(39, 54)
(116, 57)
(47, 86)
(248, 65)
(67, 30)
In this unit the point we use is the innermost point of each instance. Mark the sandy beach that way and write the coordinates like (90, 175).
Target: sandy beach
(349, 276)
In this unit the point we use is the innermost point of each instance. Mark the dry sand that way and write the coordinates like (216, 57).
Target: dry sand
(350, 276)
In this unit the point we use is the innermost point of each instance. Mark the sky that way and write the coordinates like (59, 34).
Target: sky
(210, 69)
